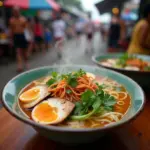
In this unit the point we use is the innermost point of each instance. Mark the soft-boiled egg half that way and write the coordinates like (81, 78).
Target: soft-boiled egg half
(42, 81)
(33, 96)
(90, 75)
(52, 111)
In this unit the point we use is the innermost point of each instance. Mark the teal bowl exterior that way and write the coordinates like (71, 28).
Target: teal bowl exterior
(142, 78)
(70, 135)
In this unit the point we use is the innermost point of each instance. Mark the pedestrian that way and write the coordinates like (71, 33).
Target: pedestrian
(29, 36)
(59, 29)
(140, 40)
(114, 34)
(89, 27)
(78, 29)
(47, 38)
(18, 25)
(38, 35)
(102, 32)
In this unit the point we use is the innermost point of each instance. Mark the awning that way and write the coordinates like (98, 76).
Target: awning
(32, 4)
(20, 3)
(54, 5)
(107, 5)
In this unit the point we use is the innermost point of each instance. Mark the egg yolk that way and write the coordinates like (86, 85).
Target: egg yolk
(30, 95)
(45, 113)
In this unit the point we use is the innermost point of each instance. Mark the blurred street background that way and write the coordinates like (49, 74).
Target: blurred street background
(35, 33)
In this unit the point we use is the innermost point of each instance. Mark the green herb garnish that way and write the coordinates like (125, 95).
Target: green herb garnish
(71, 78)
(54, 79)
(93, 103)
(68, 91)
(50, 82)
(108, 100)
(54, 74)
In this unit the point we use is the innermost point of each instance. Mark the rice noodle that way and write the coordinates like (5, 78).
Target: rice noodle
(114, 118)
(95, 125)
(76, 124)
(114, 94)
(110, 83)
(105, 120)
(109, 124)
(120, 103)
(125, 95)
(112, 113)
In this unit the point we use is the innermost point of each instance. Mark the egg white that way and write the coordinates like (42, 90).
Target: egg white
(43, 94)
(42, 81)
(64, 108)
(90, 75)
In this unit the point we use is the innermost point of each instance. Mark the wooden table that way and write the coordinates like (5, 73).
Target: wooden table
(15, 135)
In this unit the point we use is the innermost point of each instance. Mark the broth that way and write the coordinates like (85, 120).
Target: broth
(123, 102)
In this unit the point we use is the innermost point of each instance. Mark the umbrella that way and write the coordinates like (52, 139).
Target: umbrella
(33, 4)
(54, 5)
(107, 5)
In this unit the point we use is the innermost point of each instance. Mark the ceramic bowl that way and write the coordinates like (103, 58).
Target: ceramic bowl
(142, 78)
(70, 135)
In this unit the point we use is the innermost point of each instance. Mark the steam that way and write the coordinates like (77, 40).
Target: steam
(72, 53)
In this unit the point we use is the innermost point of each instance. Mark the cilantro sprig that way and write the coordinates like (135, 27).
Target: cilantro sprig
(71, 78)
(53, 79)
(93, 103)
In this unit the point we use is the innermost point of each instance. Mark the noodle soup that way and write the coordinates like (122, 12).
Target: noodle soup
(127, 62)
(77, 100)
